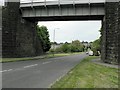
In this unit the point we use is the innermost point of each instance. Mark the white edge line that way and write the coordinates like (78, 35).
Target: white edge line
(6, 70)
(58, 79)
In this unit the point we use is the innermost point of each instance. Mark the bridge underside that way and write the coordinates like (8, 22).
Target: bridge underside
(65, 18)
(64, 12)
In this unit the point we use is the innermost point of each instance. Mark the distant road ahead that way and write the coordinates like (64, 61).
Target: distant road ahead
(37, 73)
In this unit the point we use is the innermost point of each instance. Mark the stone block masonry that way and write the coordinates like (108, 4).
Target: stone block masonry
(0, 31)
(119, 34)
(110, 33)
(19, 37)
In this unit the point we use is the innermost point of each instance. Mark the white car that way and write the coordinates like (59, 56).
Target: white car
(86, 52)
(90, 53)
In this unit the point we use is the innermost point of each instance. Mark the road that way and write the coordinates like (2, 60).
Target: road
(37, 73)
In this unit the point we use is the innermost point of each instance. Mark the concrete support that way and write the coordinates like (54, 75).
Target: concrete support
(19, 36)
(110, 33)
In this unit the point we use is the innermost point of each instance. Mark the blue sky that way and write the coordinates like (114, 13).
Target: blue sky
(73, 30)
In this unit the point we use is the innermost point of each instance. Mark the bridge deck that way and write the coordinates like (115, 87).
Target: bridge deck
(59, 9)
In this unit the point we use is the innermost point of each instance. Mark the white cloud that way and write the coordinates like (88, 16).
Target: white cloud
(1, 2)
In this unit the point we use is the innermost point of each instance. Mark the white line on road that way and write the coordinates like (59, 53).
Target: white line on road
(30, 66)
(46, 62)
(6, 70)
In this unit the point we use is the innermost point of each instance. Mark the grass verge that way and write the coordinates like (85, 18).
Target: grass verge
(4, 60)
(61, 54)
(89, 75)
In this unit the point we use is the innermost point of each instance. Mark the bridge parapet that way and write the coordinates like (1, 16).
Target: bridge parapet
(27, 3)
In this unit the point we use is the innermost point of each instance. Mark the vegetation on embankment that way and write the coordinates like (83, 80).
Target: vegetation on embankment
(74, 46)
(43, 36)
(89, 75)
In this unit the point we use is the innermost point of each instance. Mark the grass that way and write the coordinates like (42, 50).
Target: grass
(89, 75)
(4, 60)
(61, 54)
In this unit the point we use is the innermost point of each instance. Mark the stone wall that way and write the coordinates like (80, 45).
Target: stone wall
(18, 35)
(0, 31)
(103, 40)
(110, 33)
(119, 34)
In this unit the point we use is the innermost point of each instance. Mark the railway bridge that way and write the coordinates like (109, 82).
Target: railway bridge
(20, 19)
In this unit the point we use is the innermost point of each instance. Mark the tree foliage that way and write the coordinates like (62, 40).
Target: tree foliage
(75, 46)
(96, 46)
(43, 35)
(65, 48)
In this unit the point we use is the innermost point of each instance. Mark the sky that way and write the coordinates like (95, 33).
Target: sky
(1, 2)
(67, 31)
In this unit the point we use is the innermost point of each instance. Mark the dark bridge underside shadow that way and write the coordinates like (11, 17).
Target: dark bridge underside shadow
(66, 18)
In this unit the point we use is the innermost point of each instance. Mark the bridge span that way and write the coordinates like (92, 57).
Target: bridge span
(63, 9)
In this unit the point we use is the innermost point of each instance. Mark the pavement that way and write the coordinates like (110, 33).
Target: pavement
(100, 62)
(39, 73)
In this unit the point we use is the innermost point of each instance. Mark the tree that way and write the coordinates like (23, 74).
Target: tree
(65, 48)
(96, 46)
(77, 46)
(43, 36)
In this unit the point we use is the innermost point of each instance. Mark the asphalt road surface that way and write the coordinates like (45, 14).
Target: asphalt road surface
(37, 73)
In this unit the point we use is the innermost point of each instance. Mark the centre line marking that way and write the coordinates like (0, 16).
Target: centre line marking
(46, 62)
(30, 66)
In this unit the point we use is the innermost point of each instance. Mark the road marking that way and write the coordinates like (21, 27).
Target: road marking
(6, 70)
(46, 62)
(10, 70)
(30, 66)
